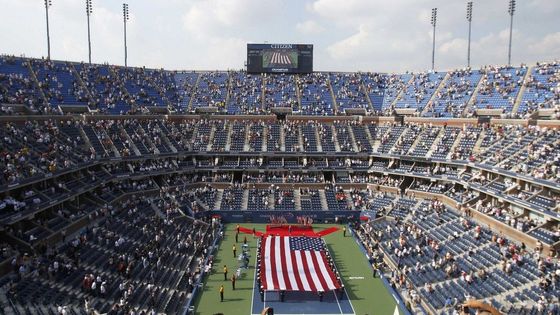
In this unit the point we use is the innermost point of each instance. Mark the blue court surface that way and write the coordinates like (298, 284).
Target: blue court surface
(302, 303)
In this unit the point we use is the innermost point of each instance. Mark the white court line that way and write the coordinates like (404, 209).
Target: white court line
(254, 277)
(337, 302)
(346, 292)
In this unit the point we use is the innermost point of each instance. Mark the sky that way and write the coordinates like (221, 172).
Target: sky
(348, 35)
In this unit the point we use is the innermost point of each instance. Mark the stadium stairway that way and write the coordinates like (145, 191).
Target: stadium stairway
(455, 143)
(166, 140)
(193, 93)
(282, 139)
(323, 198)
(137, 146)
(246, 141)
(33, 76)
(349, 202)
(402, 91)
(335, 136)
(158, 88)
(245, 200)
(333, 98)
(229, 87)
(263, 92)
(441, 85)
(417, 140)
(352, 138)
(368, 99)
(473, 97)
(211, 137)
(318, 140)
(297, 199)
(298, 94)
(521, 92)
(478, 143)
(228, 137)
(435, 143)
(80, 81)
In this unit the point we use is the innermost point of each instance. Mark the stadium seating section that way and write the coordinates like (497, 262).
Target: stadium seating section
(45, 86)
(116, 208)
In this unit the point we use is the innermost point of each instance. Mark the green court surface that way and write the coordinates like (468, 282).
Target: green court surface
(367, 294)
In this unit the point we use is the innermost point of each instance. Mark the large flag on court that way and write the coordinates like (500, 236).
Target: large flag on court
(295, 264)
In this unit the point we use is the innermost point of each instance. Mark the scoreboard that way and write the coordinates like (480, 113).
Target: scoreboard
(279, 58)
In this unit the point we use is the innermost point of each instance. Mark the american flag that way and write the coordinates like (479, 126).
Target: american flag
(296, 264)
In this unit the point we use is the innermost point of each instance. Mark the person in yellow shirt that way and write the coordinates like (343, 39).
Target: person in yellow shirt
(234, 251)
(222, 293)
(225, 273)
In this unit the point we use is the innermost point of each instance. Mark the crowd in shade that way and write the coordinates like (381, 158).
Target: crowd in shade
(35, 148)
(138, 255)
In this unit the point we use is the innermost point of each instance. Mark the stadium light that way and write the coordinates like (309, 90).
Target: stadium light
(125, 18)
(433, 22)
(48, 3)
(511, 11)
(89, 11)
(469, 18)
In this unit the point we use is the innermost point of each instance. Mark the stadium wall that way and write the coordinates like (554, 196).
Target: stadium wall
(264, 216)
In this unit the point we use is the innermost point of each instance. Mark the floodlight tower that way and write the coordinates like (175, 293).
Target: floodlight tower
(511, 11)
(48, 3)
(433, 22)
(469, 18)
(125, 18)
(89, 11)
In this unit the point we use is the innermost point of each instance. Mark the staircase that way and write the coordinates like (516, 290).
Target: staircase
(364, 89)
(245, 199)
(349, 201)
(193, 93)
(36, 81)
(132, 144)
(353, 138)
(271, 201)
(435, 143)
(335, 104)
(368, 135)
(219, 197)
(81, 81)
(146, 137)
(297, 199)
(319, 145)
(472, 100)
(264, 139)
(456, 143)
(163, 136)
(478, 143)
(401, 92)
(521, 92)
(300, 139)
(282, 138)
(228, 138)
(246, 141)
(298, 94)
(211, 138)
(335, 136)
(434, 95)
(324, 204)
(417, 140)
